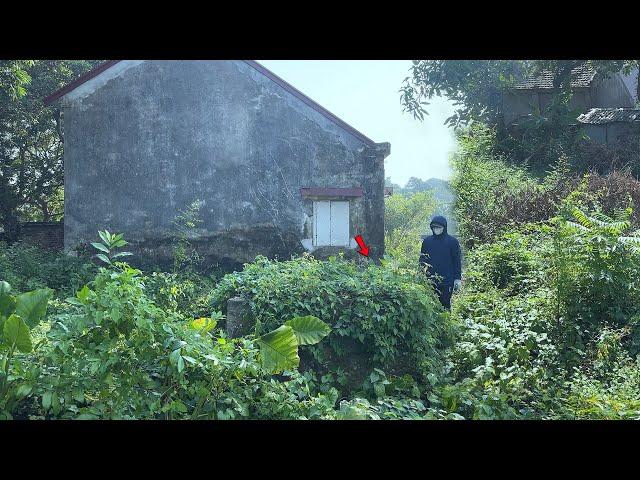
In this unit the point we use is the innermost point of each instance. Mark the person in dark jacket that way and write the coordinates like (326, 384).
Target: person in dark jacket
(441, 254)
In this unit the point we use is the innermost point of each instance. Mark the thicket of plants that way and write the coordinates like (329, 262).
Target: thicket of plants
(382, 316)
(127, 345)
(548, 319)
(494, 195)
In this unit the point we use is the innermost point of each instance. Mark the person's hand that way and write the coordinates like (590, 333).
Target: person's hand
(457, 285)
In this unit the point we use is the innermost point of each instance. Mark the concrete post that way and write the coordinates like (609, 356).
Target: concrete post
(240, 321)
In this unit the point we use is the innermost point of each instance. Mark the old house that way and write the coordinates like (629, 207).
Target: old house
(610, 125)
(274, 172)
(596, 97)
(590, 90)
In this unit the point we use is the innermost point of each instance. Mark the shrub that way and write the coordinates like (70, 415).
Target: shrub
(187, 293)
(504, 354)
(120, 356)
(506, 264)
(493, 195)
(379, 315)
(603, 159)
(598, 268)
(27, 267)
(616, 396)
(18, 315)
(483, 180)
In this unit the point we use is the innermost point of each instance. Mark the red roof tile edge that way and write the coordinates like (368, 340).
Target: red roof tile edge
(331, 192)
(266, 72)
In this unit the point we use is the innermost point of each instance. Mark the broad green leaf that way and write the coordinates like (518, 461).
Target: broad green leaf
(180, 364)
(83, 293)
(16, 332)
(189, 359)
(279, 349)
(115, 314)
(204, 324)
(87, 416)
(104, 258)
(309, 330)
(74, 301)
(7, 304)
(121, 254)
(119, 242)
(46, 400)
(105, 236)
(100, 247)
(5, 288)
(23, 390)
(32, 306)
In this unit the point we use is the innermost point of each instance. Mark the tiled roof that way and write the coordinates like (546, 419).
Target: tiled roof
(608, 115)
(581, 77)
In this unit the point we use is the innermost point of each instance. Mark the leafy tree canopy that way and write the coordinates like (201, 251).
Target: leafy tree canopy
(31, 139)
(475, 86)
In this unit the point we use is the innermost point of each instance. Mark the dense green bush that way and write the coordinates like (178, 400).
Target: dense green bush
(493, 196)
(507, 264)
(504, 357)
(483, 180)
(612, 397)
(598, 259)
(188, 292)
(115, 354)
(27, 267)
(539, 303)
(380, 315)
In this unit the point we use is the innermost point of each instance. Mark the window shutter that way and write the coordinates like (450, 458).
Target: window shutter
(322, 223)
(340, 224)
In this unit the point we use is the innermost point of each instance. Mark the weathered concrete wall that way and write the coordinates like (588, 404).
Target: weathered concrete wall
(520, 103)
(612, 92)
(141, 146)
(611, 133)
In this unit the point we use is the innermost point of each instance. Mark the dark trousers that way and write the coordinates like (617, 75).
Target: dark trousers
(444, 295)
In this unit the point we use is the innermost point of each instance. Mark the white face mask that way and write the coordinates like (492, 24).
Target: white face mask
(437, 230)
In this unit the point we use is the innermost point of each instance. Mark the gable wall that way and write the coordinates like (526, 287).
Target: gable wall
(145, 144)
(612, 93)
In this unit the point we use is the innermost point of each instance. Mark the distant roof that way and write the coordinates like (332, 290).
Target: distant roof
(581, 77)
(266, 72)
(608, 115)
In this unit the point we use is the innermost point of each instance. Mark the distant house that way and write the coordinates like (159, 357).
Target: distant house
(274, 172)
(610, 125)
(595, 96)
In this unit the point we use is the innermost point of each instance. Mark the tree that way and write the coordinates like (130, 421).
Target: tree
(31, 140)
(13, 78)
(476, 86)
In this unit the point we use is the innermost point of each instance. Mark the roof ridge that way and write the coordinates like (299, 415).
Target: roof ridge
(581, 77)
(254, 64)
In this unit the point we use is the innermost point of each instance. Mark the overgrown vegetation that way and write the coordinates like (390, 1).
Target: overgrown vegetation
(382, 316)
(547, 325)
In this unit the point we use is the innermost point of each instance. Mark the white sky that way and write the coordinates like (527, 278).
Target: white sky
(364, 93)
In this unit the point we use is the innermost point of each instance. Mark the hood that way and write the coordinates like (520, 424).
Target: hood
(440, 220)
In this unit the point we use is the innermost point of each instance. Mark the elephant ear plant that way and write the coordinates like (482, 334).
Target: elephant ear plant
(279, 348)
(18, 314)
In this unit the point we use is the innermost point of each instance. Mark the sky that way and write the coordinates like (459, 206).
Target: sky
(364, 93)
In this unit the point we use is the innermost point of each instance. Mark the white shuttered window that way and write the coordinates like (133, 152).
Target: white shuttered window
(331, 223)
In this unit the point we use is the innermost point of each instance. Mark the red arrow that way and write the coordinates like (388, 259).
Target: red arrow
(364, 250)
